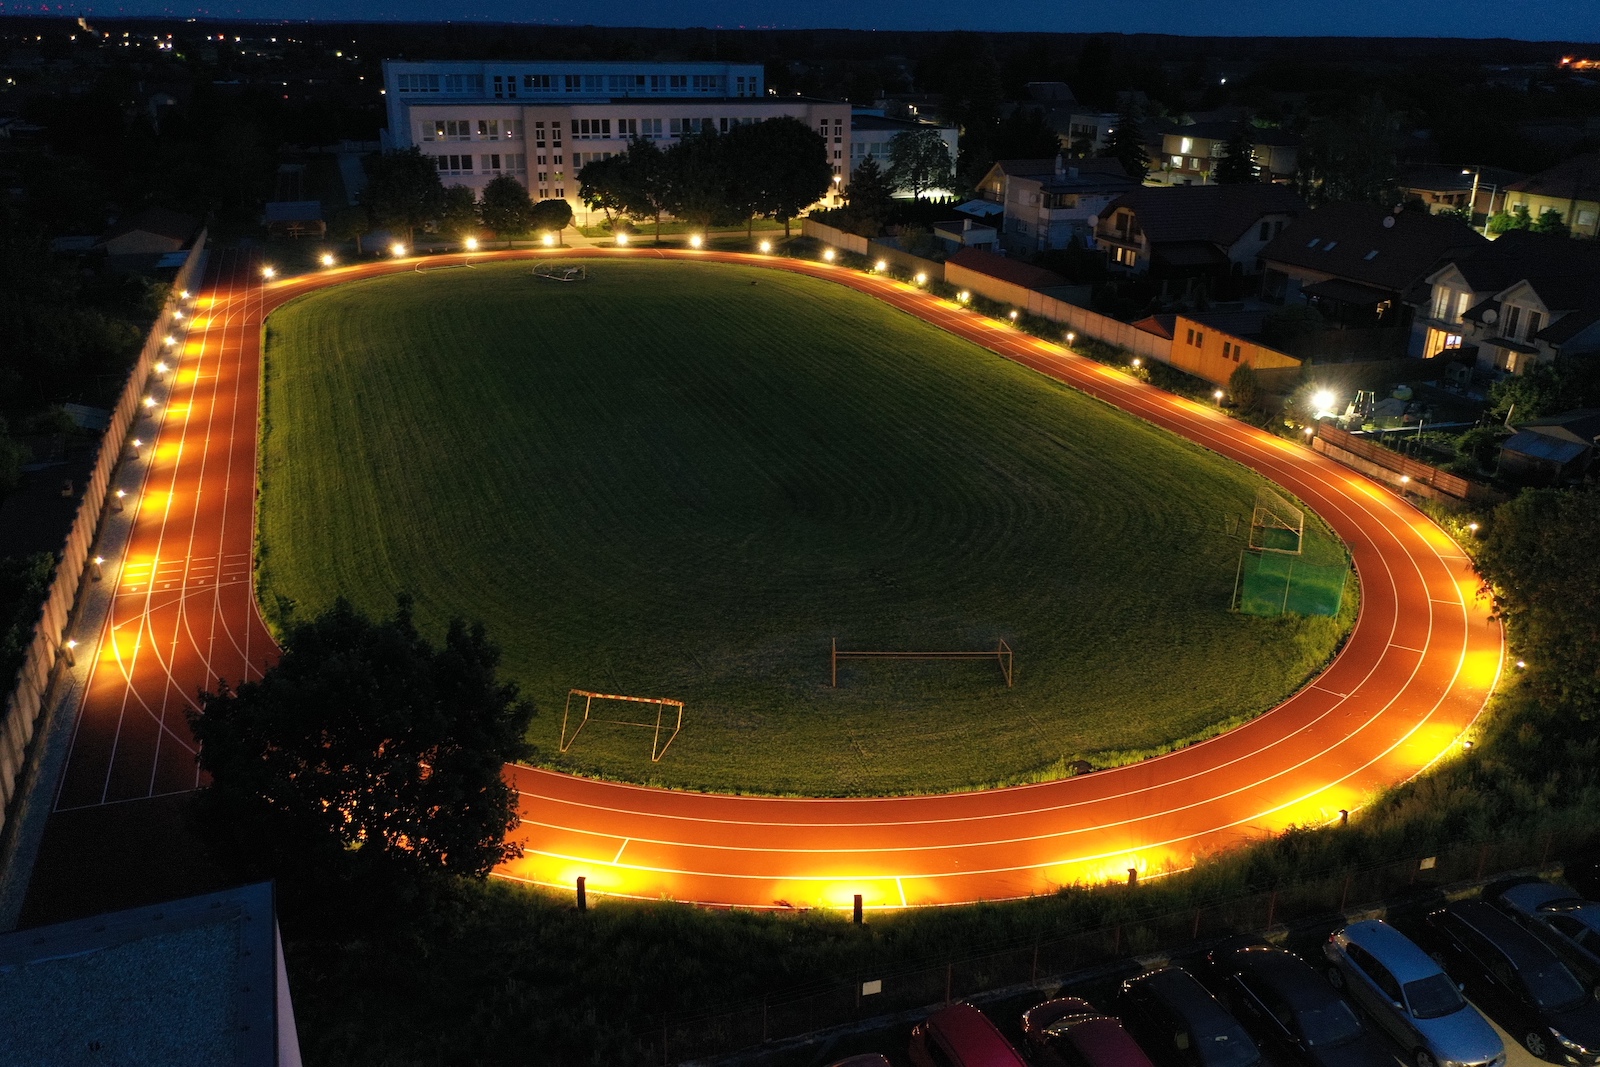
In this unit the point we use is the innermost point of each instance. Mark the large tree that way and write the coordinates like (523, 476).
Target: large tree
(1125, 144)
(1351, 156)
(644, 190)
(780, 167)
(1238, 165)
(1024, 134)
(458, 217)
(505, 207)
(403, 191)
(602, 185)
(919, 160)
(364, 745)
(869, 192)
(697, 172)
(551, 216)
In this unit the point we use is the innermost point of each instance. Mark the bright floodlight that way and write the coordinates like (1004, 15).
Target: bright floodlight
(1137, 362)
(327, 259)
(922, 278)
(269, 273)
(397, 249)
(169, 340)
(827, 254)
(622, 240)
(1218, 395)
(549, 240)
(881, 265)
(472, 244)
(1323, 400)
(766, 246)
(1013, 316)
(149, 401)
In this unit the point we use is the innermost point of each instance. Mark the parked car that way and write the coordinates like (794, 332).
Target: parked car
(1568, 924)
(1068, 1032)
(1406, 993)
(1181, 1025)
(1283, 1000)
(1519, 982)
(961, 1036)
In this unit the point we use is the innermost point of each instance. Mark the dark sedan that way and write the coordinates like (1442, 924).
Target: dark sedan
(1292, 1010)
(1181, 1025)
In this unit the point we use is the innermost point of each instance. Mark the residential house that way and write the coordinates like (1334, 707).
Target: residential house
(956, 234)
(1088, 132)
(1521, 300)
(1190, 155)
(1185, 231)
(871, 133)
(1445, 187)
(1572, 188)
(992, 186)
(1551, 451)
(152, 232)
(1051, 209)
(1358, 264)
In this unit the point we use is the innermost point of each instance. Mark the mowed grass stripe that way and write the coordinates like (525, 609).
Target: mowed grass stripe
(668, 480)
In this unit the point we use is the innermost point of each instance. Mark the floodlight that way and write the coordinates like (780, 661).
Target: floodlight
(549, 240)
(622, 240)
(766, 246)
(268, 273)
(1323, 400)
(472, 244)
(695, 240)
(327, 259)
(397, 249)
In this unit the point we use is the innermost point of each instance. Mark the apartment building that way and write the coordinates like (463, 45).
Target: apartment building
(543, 121)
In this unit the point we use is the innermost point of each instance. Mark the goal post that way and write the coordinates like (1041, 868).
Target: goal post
(665, 707)
(1276, 525)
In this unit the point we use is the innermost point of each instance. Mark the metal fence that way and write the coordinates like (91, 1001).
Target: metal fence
(28, 697)
(846, 999)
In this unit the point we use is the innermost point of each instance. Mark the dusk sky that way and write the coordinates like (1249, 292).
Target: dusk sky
(1548, 20)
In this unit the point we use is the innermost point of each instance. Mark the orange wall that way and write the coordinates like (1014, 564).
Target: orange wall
(1203, 357)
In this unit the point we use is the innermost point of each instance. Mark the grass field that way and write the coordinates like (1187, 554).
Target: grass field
(683, 480)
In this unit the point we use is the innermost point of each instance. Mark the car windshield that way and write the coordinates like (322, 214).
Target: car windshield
(1553, 987)
(1432, 997)
(1228, 1048)
(1329, 1025)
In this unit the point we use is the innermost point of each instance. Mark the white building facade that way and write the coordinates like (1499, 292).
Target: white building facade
(543, 122)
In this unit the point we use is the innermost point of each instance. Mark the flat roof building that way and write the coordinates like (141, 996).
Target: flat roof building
(543, 121)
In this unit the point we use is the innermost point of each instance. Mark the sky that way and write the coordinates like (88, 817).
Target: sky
(1558, 20)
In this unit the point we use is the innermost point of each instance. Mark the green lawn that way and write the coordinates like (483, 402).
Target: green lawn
(683, 480)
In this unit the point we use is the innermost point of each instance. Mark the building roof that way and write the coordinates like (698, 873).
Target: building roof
(1576, 179)
(1270, 136)
(1581, 425)
(1455, 178)
(1007, 270)
(861, 121)
(1366, 244)
(157, 220)
(195, 981)
(1564, 273)
(1217, 214)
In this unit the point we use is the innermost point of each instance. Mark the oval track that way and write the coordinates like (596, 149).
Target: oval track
(1417, 668)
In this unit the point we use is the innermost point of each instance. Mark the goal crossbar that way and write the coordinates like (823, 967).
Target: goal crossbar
(658, 748)
(1001, 652)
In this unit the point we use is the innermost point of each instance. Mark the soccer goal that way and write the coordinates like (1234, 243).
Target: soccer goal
(557, 272)
(658, 747)
(1276, 525)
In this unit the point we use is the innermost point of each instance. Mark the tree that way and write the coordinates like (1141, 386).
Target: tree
(919, 160)
(697, 176)
(1517, 219)
(1533, 394)
(1125, 144)
(1351, 156)
(869, 193)
(403, 191)
(364, 747)
(1024, 134)
(778, 168)
(505, 207)
(1244, 386)
(644, 182)
(1550, 221)
(601, 184)
(459, 214)
(1238, 165)
(1540, 553)
(551, 216)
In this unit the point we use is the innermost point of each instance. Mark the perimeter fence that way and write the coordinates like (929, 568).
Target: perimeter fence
(840, 1000)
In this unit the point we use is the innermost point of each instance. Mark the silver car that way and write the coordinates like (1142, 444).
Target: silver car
(1568, 924)
(1410, 998)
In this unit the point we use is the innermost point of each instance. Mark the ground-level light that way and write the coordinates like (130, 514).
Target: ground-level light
(963, 296)
(183, 295)
(169, 340)
(149, 402)
(827, 254)
(1405, 479)
(549, 240)
(881, 266)
(1311, 431)
(1217, 396)
(178, 315)
(1322, 401)
(766, 246)
(397, 250)
(161, 366)
(1012, 316)
(1472, 526)
(695, 240)
(327, 259)
(922, 278)
(472, 244)
(1137, 362)
(269, 273)
(622, 240)
(1071, 337)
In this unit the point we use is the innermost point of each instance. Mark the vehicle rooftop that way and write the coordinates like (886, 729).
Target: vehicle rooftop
(1301, 986)
(1184, 992)
(1103, 1040)
(1522, 947)
(969, 1029)
(1404, 959)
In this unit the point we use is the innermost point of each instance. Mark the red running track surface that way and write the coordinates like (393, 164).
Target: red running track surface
(1419, 665)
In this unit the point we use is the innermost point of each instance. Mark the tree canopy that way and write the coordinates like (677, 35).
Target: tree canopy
(364, 746)
(779, 168)
(403, 190)
(1351, 156)
(458, 215)
(919, 160)
(505, 208)
(1238, 165)
(551, 216)
(1125, 144)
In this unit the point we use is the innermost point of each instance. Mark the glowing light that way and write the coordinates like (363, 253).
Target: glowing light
(827, 254)
(1405, 479)
(1322, 402)
(1071, 337)
(178, 315)
(269, 273)
(169, 340)
(161, 366)
(1522, 664)
(549, 240)
(137, 443)
(766, 246)
(472, 244)
(964, 296)
(71, 643)
(99, 560)
(184, 294)
(327, 259)
(922, 278)
(397, 250)
(1311, 431)
(149, 402)
(1137, 362)
(1012, 316)
(881, 266)
(1472, 526)
(1218, 395)
(622, 240)
(695, 240)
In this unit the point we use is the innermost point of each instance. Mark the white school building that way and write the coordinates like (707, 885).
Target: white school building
(542, 122)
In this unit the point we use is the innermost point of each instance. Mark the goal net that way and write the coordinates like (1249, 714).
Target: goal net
(669, 718)
(1276, 525)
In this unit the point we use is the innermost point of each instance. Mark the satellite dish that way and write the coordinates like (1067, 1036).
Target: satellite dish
(1094, 220)
(1388, 222)
(1491, 316)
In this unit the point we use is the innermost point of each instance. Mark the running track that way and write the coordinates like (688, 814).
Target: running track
(1418, 667)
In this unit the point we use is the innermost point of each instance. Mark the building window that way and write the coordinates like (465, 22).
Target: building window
(513, 129)
(1513, 319)
(650, 128)
(539, 82)
(1535, 321)
(463, 83)
(678, 81)
(1190, 340)
(572, 82)
(488, 129)
(491, 163)
(538, 135)
(707, 83)
(454, 164)
(1266, 231)
(419, 83)
(451, 130)
(627, 127)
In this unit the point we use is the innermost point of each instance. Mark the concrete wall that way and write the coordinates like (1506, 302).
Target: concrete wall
(1211, 355)
(29, 697)
(830, 235)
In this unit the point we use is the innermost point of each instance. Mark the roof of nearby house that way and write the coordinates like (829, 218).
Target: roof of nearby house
(1075, 178)
(1454, 178)
(1007, 270)
(157, 220)
(190, 981)
(1541, 446)
(1371, 246)
(982, 209)
(1246, 324)
(1217, 214)
(1564, 273)
(1576, 179)
(1271, 136)
(1581, 425)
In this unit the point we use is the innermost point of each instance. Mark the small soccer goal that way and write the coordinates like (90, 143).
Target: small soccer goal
(1276, 525)
(558, 272)
(658, 747)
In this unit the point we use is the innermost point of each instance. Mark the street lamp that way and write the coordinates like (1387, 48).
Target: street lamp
(472, 244)
(964, 296)
(549, 240)
(327, 259)
(881, 266)
(1217, 396)
(1137, 362)
(269, 273)
(397, 250)
(169, 340)
(922, 278)
(1013, 315)
(827, 254)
